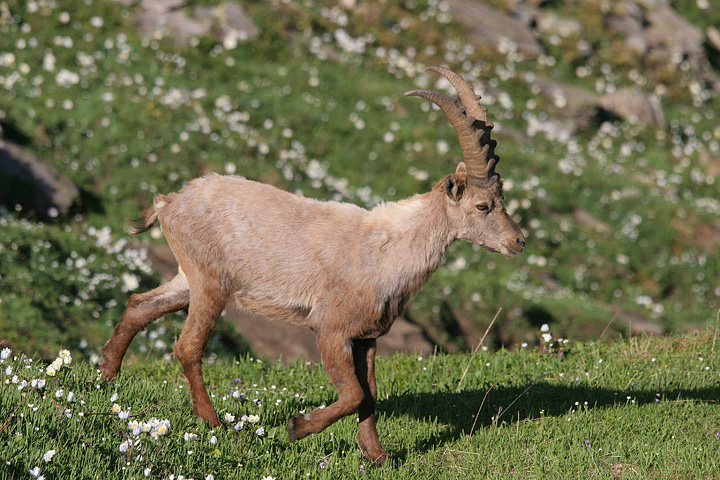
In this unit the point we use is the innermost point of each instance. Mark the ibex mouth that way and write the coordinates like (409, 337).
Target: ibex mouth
(511, 252)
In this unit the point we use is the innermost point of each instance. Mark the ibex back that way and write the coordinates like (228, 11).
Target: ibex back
(343, 271)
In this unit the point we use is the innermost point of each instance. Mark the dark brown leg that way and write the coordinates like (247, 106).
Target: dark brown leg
(364, 354)
(205, 307)
(337, 357)
(142, 309)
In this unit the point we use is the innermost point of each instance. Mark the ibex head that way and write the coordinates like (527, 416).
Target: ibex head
(475, 193)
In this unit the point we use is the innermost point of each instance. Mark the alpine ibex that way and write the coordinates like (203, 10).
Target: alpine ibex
(343, 271)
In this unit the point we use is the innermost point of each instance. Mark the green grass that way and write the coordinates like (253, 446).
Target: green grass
(638, 408)
(125, 118)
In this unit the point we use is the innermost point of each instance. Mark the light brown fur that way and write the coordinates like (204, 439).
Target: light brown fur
(343, 271)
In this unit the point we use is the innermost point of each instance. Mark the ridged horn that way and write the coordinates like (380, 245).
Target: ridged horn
(471, 126)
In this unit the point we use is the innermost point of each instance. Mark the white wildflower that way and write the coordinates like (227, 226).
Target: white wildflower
(130, 282)
(49, 455)
(66, 78)
(65, 356)
(250, 418)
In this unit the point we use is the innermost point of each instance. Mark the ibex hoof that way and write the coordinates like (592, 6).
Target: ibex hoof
(295, 428)
(378, 456)
(108, 371)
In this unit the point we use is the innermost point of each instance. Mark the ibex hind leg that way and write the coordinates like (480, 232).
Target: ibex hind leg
(142, 309)
(206, 304)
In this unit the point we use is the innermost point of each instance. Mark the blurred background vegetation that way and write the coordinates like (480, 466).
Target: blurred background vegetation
(621, 210)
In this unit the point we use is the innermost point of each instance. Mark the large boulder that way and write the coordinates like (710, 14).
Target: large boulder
(634, 107)
(573, 108)
(486, 24)
(26, 180)
(229, 21)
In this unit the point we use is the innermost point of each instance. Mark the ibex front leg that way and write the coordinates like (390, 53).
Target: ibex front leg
(364, 354)
(337, 357)
(351, 366)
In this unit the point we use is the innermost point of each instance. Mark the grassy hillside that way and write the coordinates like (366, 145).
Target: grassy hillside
(621, 220)
(639, 408)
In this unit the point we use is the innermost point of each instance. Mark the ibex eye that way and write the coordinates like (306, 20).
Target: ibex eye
(483, 207)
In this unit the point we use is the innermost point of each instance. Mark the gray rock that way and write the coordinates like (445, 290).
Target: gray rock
(550, 23)
(167, 18)
(670, 31)
(27, 180)
(624, 25)
(175, 24)
(634, 107)
(487, 24)
(652, 4)
(578, 108)
(577, 105)
(161, 6)
(234, 20)
(636, 44)
(713, 36)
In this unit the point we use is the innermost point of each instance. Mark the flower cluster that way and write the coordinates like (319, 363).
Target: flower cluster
(64, 358)
(547, 342)
(154, 427)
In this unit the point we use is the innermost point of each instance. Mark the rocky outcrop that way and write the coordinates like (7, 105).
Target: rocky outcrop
(653, 32)
(229, 21)
(576, 108)
(634, 107)
(28, 181)
(486, 24)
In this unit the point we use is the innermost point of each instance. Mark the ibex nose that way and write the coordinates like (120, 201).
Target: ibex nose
(521, 241)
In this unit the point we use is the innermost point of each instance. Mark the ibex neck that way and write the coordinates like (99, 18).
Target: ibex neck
(414, 232)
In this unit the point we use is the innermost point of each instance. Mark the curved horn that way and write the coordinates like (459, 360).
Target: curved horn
(466, 92)
(470, 124)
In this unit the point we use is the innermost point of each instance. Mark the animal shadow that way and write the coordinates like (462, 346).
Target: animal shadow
(468, 411)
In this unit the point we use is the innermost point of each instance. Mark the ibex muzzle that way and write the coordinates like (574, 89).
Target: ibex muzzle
(342, 270)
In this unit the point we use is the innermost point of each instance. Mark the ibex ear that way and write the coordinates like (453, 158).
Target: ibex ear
(455, 184)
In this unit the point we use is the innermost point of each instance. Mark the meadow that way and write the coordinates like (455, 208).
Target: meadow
(621, 221)
(632, 408)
